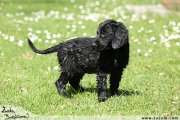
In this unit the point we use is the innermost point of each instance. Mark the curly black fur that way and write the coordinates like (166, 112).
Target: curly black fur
(107, 53)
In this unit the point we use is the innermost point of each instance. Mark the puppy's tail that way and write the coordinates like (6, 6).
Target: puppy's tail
(47, 51)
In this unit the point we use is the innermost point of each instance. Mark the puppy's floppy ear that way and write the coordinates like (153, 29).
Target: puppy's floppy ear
(120, 36)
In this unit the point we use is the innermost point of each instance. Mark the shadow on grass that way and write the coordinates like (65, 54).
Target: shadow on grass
(120, 92)
(129, 92)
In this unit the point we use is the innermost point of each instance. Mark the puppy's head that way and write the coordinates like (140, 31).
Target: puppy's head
(111, 34)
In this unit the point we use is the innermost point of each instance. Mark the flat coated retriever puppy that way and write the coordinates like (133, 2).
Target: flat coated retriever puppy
(107, 53)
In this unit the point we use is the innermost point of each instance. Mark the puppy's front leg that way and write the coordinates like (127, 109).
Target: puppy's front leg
(101, 86)
(115, 79)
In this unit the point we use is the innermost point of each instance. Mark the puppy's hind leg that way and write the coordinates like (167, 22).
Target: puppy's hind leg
(75, 81)
(61, 84)
(102, 87)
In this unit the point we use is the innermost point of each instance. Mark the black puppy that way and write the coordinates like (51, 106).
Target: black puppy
(107, 53)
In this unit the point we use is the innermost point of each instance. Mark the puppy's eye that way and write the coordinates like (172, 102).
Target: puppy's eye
(107, 28)
(104, 34)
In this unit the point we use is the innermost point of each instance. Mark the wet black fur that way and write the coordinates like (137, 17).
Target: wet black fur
(107, 53)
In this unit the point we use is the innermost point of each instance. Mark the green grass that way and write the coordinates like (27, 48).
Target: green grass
(150, 84)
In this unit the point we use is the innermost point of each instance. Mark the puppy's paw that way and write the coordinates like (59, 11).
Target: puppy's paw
(102, 97)
(65, 94)
(62, 90)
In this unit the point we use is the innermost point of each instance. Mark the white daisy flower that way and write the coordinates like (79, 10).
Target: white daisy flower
(19, 29)
(46, 41)
(72, 1)
(48, 37)
(154, 42)
(84, 34)
(68, 26)
(83, 26)
(141, 29)
(152, 38)
(53, 41)
(138, 50)
(167, 45)
(150, 50)
(131, 27)
(30, 29)
(144, 17)
(45, 31)
(69, 17)
(80, 22)
(54, 35)
(73, 26)
(56, 67)
(11, 38)
(164, 26)
(20, 43)
(172, 23)
(6, 37)
(136, 40)
(146, 54)
(2, 54)
(151, 21)
(49, 69)
(81, 7)
(73, 30)
(97, 3)
(150, 31)
(59, 35)
(177, 43)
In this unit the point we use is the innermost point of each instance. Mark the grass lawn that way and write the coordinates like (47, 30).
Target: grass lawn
(150, 84)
